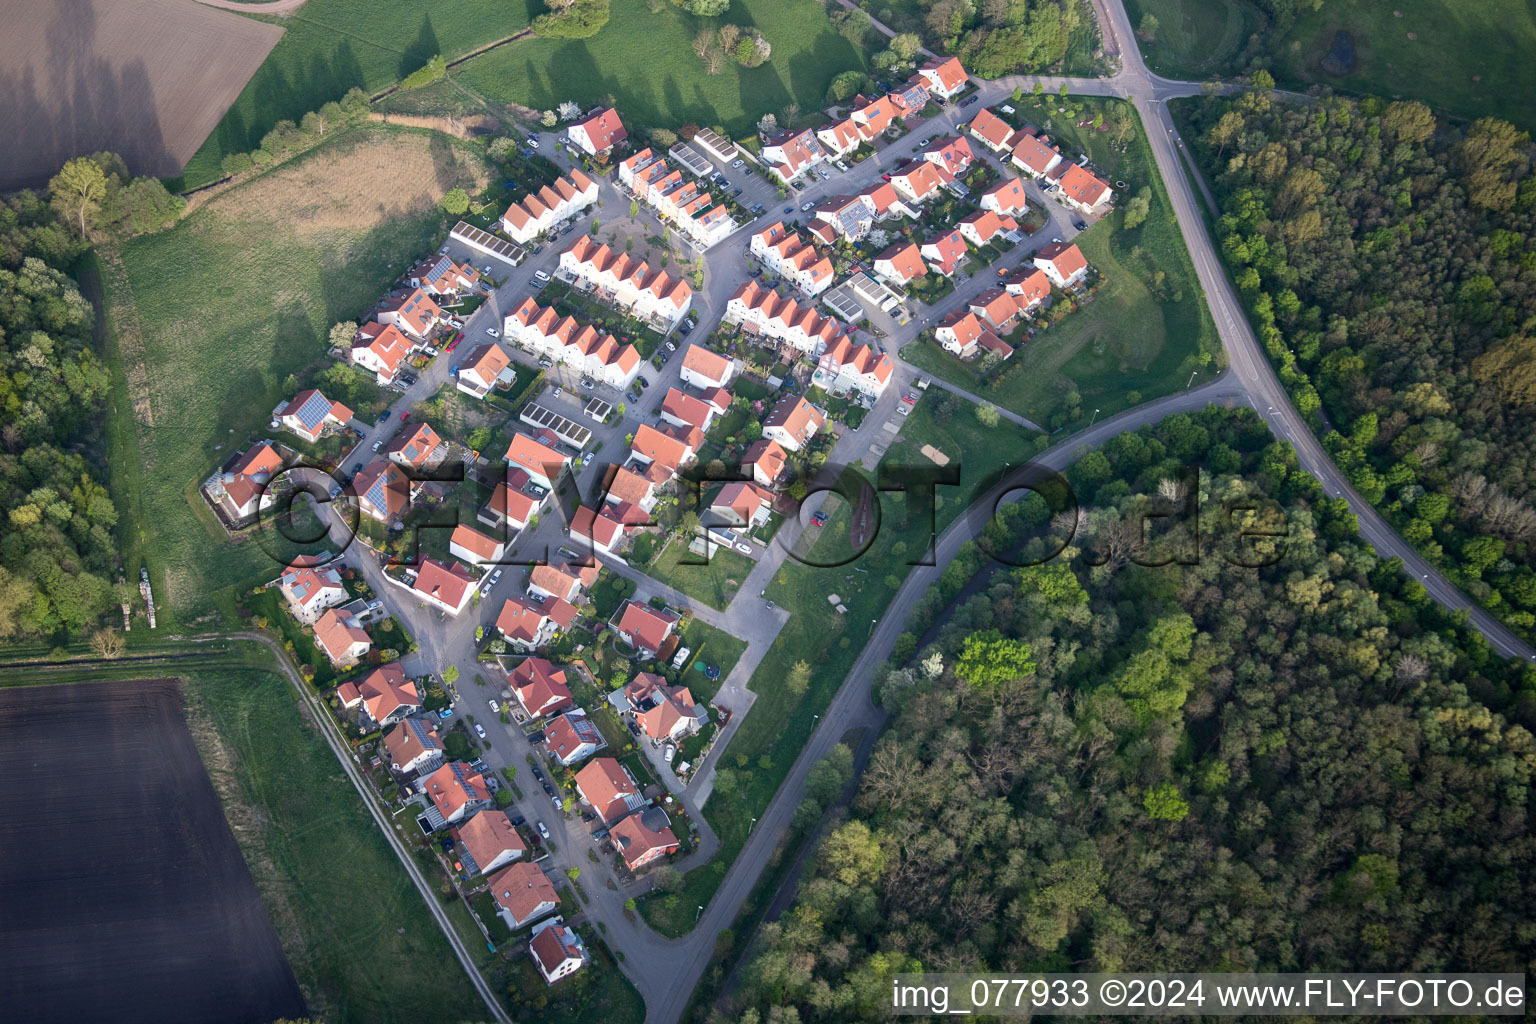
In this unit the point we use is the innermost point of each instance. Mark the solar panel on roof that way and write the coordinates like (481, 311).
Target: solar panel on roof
(314, 410)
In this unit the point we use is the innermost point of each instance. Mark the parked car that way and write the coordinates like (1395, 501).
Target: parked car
(745, 549)
(735, 192)
(807, 207)
(819, 519)
(480, 730)
(791, 209)
(493, 332)
(969, 100)
(903, 409)
(643, 382)
(587, 384)
(536, 249)
(737, 163)
(378, 444)
(445, 714)
(586, 460)
(1080, 225)
(543, 830)
(599, 835)
(546, 362)
(495, 576)
(909, 399)
(384, 415)
(556, 801)
(538, 774)
(495, 706)
(671, 346)
(541, 276)
(690, 323)
(533, 142)
(670, 752)
(547, 790)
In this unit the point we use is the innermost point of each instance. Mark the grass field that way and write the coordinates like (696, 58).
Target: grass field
(330, 46)
(646, 64)
(1142, 334)
(1465, 59)
(715, 584)
(213, 315)
(769, 740)
(360, 940)
(1195, 38)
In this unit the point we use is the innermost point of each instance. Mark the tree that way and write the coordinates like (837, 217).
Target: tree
(988, 415)
(451, 674)
(107, 643)
(767, 124)
(1227, 128)
(549, 119)
(1148, 27)
(852, 854)
(799, 678)
(581, 19)
(988, 660)
(1485, 158)
(573, 872)
(789, 113)
(1408, 121)
(569, 111)
(1137, 209)
(907, 45)
(501, 150)
(1164, 803)
(705, 8)
(77, 192)
(455, 201)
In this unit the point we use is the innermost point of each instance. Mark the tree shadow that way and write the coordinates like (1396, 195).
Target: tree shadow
(422, 50)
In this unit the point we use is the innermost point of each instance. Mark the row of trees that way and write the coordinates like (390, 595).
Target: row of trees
(1390, 265)
(1096, 765)
(746, 46)
(287, 138)
(95, 195)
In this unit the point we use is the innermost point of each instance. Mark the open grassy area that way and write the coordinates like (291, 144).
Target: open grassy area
(360, 941)
(1195, 38)
(1145, 329)
(763, 749)
(715, 583)
(645, 63)
(213, 315)
(1466, 59)
(330, 46)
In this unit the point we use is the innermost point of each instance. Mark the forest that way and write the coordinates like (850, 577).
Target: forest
(57, 549)
(992, 37)
(1389, 265)
(1110, 760)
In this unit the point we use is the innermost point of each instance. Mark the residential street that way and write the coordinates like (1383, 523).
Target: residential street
(666, 971)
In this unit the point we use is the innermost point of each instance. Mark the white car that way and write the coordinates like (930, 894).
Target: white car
(480, 729)
(904, 409)
(494, 706)
(737, 163)
(493, 332)
(533, 143)
(543, 830)
(806, 207)
(670, 752)
(541, 276)
(495, 576)
(745, 549)
(378, 444)
(586, 460)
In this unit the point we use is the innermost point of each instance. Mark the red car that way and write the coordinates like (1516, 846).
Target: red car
(405, 417)
(885, 177)
(909, 399)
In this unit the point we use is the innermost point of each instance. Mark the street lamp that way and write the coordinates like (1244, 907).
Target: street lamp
(1193, 374)
(696, 916)
(1095, 416)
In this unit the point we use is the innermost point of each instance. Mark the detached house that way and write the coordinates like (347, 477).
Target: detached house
(920, 181)
(481, 369)
(644, 628)
(1035, 156)
(563, 581)
(1007, 198)
(339, 639)
(456, 790)
(239, 490)
(644, 838)
(381, 348)
(524, 624)
(383, 491)
(572, 737)
(511, 506)
(543, 464)
(310, 413)
(488, 841)
(767, 461)
(474, 547)
(415, 314)
(1081, 189)
(1063, 263)
(556, 950)
(850, 217)
(1029, 288)
(388, 696)
(705, 369)
(944, 78)
(963, 333)
(603, 529)
(742, 505)
(901, 264)
(413, 447)
(788, 153)
(413, 746)
(310, 591)
(605, 786)
(981, 227)
(523, 893)
(664, 713)
(539, 687)
(445, 587)
(943, 252)
(993, 132)
(672, 448)
(441, 275)
(793, 422)
(951, 153)
(600, 132)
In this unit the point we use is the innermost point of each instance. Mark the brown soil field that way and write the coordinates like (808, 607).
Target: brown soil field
(147, 79)
(123, 895)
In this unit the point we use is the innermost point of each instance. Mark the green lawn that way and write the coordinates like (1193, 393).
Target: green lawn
(763, 749)
(1468, 59)
(599, 993)
(714, 583)
(360, 941)
(330, 46)
(710, 646)
(645, 63)
(223, 307)
(1195, 38)
(1140, 336)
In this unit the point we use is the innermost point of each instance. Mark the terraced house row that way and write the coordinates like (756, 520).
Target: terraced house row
(538, 212)
(676, 198)
(628, 283)
(581, 346)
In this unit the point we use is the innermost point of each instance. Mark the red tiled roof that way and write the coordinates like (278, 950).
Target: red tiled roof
(770, 455)
(1082, 186)
(604, 129)
(446, 583)
(522, 888)
(386, 690)
(334, 632)
(797, 416)
(905, 260)
(710, 364)
(638, 843)
(489, 835)
(1009, 195)
(649, 626)
(1064, 256)
(540, 687)
(603, 784)
(475, 542)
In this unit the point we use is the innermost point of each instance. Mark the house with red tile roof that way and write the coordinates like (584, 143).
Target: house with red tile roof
(839, 138)
(540, 211)
(705, 369)
(958, 333)
(850, 217)
(565, 340)
(413, 746)
(684, 410)
(950, 152)
(511, 506)
(488, 841)
(1082, 189)
(456, 790)
(239, 490)
(644, 628)
(1034, 155)
(631, 485)
(543, 464)
(997, 308)
(557, 951)
(991, 343)
(311, 590)
(442, 275)
(573, 737)
(626, 283)
(992, 131)
(339, 638)
(793, 422)
(1007, 197)
(523, 893)
(643, 838)
(602, 529)
(481, 368)
(381, 348)
(788, 153)
(884, 203)
(475, 547)
(943, 252)
(767, 460)
(525, 624)
(944, 78)
(849, 367)
(663, 712)
(901, 264)
(740, 504)
(1063, 263)
(672, 450)
(310, 413)
(565, 580)
(413, 447)
(981, 227)
(383, 491)
(539, 687)
(762, 311)
(920, 180)
(606, 786)
(349, 696)
(600, 132)
(679, 199)
(1029, 288)
(790, 256)
(445, 587)
(388, 696)
(414, 313)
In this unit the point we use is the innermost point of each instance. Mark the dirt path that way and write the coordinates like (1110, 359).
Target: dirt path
(266, 7)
